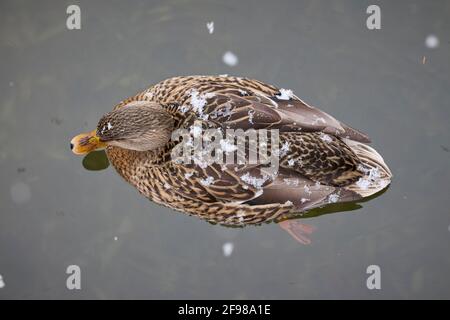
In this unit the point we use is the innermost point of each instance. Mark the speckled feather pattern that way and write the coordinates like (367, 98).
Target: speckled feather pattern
(317, 164)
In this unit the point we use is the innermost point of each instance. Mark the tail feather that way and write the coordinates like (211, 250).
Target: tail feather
(353, 134)
(377, 174)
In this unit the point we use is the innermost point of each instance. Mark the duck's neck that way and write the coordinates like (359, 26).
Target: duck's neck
(120, 157)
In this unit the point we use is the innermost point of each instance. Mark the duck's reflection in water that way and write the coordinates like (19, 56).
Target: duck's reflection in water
(300, 231)
(95, 161)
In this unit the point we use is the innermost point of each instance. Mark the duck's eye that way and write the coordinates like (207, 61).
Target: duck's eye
(71, 146)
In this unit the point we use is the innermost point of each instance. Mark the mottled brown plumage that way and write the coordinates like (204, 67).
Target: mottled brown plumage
(323, 160)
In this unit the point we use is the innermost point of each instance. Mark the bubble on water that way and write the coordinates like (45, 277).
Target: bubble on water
(20, 192)
(2, 283)
(230, 59)
(432, 42)
(227, 249)
(116, 238)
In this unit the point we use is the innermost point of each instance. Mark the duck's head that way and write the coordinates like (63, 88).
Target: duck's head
(140, 125)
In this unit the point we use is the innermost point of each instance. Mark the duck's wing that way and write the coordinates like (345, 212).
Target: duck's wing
(236, 108)
(292, 187)
(256, 185)
(220, 183)
(246, 109)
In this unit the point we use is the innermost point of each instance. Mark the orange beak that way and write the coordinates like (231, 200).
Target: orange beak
(86, 142)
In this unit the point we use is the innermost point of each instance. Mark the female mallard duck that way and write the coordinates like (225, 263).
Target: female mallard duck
(323, 160)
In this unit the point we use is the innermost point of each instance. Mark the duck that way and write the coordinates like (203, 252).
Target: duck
(321, 160)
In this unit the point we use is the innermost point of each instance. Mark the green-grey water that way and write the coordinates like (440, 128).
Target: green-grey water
(57, 82)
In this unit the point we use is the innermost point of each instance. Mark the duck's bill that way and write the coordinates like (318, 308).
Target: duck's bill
(86, 142)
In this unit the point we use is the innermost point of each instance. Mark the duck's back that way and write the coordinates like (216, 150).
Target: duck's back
(325, 161)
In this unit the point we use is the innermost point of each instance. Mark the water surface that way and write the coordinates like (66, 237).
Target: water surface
(56, 83)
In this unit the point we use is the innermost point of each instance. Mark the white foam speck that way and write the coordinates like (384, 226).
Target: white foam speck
(363, 183)
(210, 26)
(374, 174)
(250, 116)
(285, 147)
(362, 168)
(230, 59)
(318, 120)
(333, 198)
(184, 109)
(116, 238)
(283, 150)
(326, 138)
(285, 94)
(198, 101)
(227, 249)
(2, 283)
(307, 189)
(371, 178)
(222, 112)
(254, 181)
(291, 181)
(206, 182)
(432, 41)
